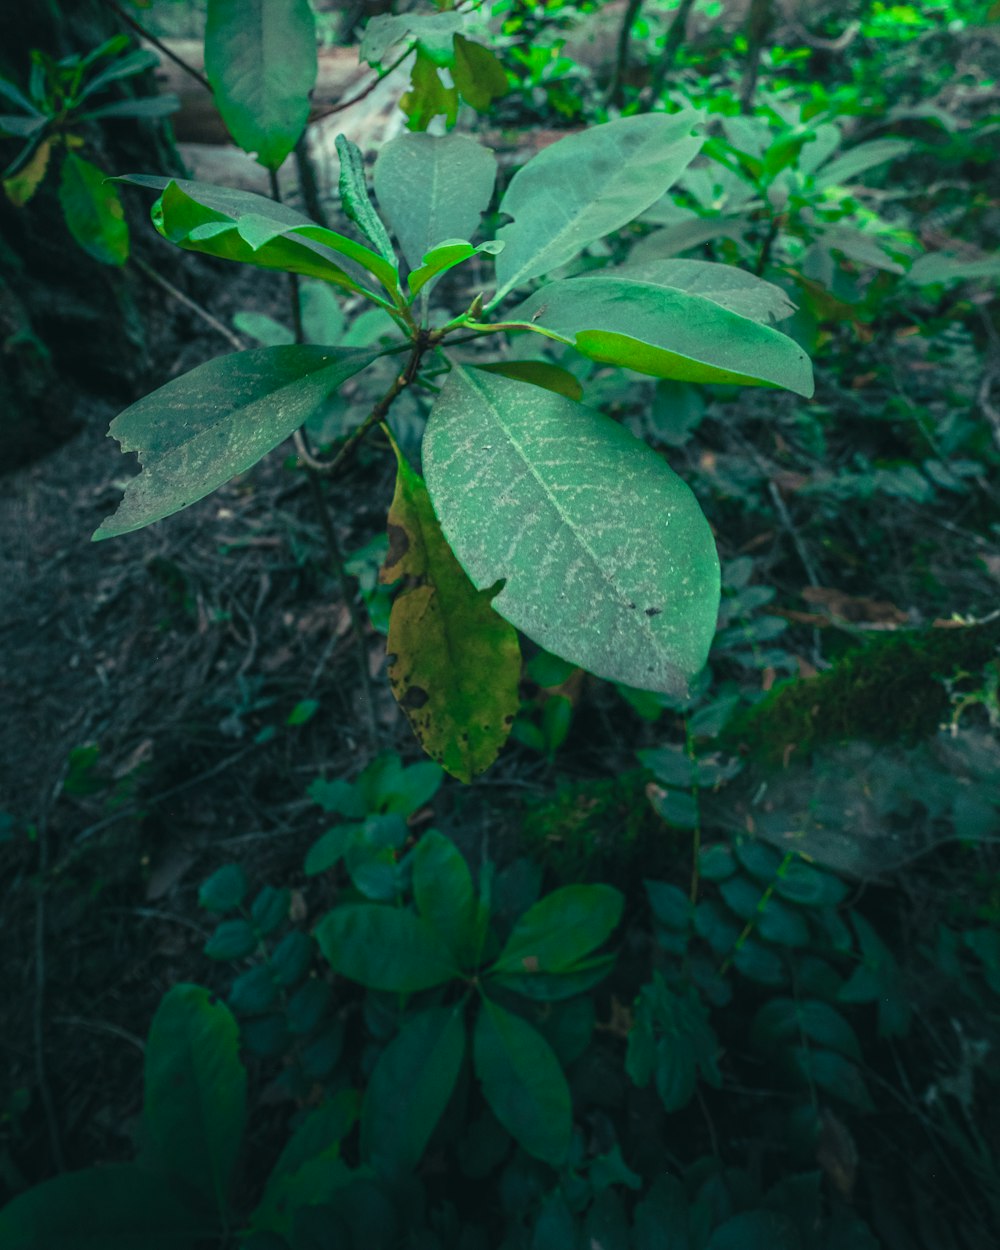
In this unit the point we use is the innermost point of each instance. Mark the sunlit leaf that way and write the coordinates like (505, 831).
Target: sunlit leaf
(93, 211)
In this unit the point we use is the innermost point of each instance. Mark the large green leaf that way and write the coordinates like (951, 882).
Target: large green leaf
(523, 1083)
(445, 898)
(756, 1230)
(561, 929)
(206, 426)
(384, 948)
(454, 664)
(433, 31)
(93, 210)
(121, 1207)
(860, 159)
(309, 1171)
(260, 57)
(195, 1090)
(241, 226)
(671, 331)
(432, 188)
(409, 1089)
(606, 558)
(741, 292)
(587, 185)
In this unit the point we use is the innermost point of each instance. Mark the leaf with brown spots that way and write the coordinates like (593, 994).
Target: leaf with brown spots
(454, 664)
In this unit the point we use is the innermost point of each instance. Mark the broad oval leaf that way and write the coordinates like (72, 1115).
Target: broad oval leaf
(606, 558)
(93, 211)
(478, 74)
(454, 664)
(587, 185)
(523, 1083)
(260, 58)
(432, 188)
(195, 1090)
(670, 331)
(109, 1208)
(741, 292)
(385, 948)
(409, 1089)
(206, 426)
(561, 929)
(443, 892)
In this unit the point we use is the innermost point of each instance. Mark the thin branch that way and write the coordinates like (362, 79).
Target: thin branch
(160, 46)
(671, 46)
(614, 92)
(238, 343)
(328, 110)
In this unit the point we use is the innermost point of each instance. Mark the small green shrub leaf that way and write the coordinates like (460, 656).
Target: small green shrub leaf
(668, 331)
(384, 948)
(204, 427)
(270, 909)
(583, 187)
(523, 1083)
(120, 1207)
(432, 189)
(409, 1089)
(553, 987)
(539, 373)
(783, 1019)
(260, 58)
(93, 210)
(454, 664)
(605, 556)
(434, 31)
(195, 1090)
(291, 958)
(233, 939)
(561, 929)
(445, 898)
(224, 890)
(478, 74)
(756, 1230)
(253, 992)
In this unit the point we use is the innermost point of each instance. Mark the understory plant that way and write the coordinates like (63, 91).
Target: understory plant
(530, 512)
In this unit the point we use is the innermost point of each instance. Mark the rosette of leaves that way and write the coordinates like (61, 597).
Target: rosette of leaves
(62, 95)
(471, 1002)
(531, 511)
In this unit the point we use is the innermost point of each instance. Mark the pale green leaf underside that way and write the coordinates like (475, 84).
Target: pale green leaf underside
(203, 428)
(668, 333)
(432, 188)
(587, 185)
(741, 292)
(260, 58)
(606, 557)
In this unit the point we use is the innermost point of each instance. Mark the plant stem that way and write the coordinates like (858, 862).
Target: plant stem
(160, 46)
(188, 302)
(294, 299)
(614, 92)
(671, 46)
(759, 22)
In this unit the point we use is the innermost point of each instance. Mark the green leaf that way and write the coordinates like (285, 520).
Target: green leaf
(10, 91)
(253, 993)
(120, 1207)
(195, 1090)
(670, 906)
(224, 890)
(434, 30)
(759, 963)
(446, 256)
(200, 217)
(606, 558)
(233, 939)
(150, 106)
(206, 426)
(260, 57)
(384, 948)
(782, 1019)
(443, 893)
(833, 1074)
(409, 1089)
(939, 267)
(800, 882)
(561, 929)
(308, 1171)
(587, 185)
(329, 848)
(270, 909)
(756, 1230)
(428, 96)
(93, 210)
(122, 67)
(667, 332)
(741, 292)
(263, 328)
(454, 664)
(478, 75)
(433, 188)
(550, 378)
(291, 958)
(860, 159)
(354, 199)
(523, 1083)
(556, 987)
(671, 1041)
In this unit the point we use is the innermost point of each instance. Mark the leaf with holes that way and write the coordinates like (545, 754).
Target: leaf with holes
(605, 556)
(206, 426)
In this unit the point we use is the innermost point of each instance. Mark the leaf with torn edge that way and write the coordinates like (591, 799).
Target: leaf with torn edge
(203, 428)
(454, 663)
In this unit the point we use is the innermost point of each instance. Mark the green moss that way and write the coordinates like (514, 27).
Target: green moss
(600, 830)
(890, 690)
